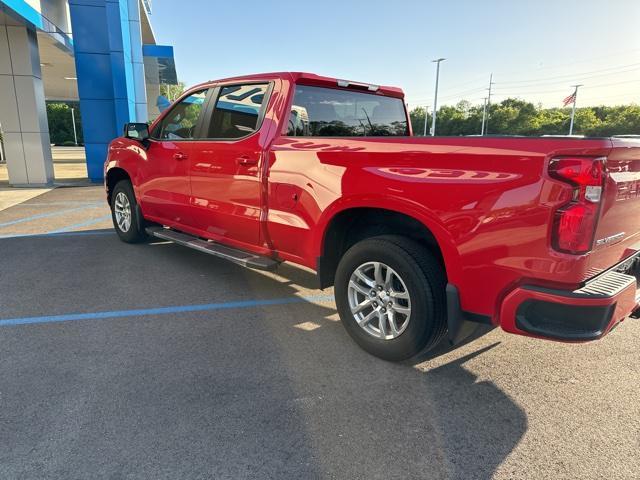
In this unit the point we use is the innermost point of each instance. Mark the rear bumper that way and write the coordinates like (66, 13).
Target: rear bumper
(574, 316)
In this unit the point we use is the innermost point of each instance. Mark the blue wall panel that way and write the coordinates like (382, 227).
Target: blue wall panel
(25, 11)
(95, 132)
(157, 51)
(106, 86)
(97, 69)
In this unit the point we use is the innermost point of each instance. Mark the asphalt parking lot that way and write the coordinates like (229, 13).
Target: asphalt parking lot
(155, 361)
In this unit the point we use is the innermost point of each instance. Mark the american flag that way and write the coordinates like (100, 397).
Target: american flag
(569, 99)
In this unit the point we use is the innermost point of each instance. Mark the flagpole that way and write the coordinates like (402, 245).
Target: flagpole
(573, 109)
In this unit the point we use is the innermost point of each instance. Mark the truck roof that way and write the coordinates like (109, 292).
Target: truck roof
(312, 79)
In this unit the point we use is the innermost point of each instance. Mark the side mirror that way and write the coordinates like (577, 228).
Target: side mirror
(136, 131)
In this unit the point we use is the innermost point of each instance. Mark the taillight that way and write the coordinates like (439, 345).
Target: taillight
(575, 222)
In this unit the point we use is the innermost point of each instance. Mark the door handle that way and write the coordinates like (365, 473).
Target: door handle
(246, 161)
(180, 156)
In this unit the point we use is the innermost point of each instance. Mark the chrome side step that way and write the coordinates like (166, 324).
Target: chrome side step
(246, 259)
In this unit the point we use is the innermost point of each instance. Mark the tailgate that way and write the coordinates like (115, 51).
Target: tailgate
(617, 231)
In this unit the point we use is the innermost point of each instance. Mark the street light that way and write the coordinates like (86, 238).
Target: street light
(73, 122)
(435, 97)
(426, 118)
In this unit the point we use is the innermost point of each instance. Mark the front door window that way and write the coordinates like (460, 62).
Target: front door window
(181, 121)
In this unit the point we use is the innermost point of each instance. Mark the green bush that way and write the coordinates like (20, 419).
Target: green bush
(517, 117)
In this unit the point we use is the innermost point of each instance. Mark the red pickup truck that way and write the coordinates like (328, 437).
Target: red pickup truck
(422, 238)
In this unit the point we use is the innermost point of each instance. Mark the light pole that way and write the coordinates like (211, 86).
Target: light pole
(573, 109)
(435, 97)
(73, 121)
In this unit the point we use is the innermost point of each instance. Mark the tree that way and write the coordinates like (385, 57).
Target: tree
(518, 117)
(417, 116)
(61, 124)
(172, 92)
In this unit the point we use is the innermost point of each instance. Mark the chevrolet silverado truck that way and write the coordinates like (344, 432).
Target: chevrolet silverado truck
(423, 239)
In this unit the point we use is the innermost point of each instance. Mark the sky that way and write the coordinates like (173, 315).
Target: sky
(536, 49)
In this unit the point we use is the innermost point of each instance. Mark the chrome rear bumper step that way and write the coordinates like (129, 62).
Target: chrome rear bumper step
(246, 259)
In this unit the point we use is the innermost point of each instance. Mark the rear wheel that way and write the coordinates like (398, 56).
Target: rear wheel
(390, 293)
(125, 213)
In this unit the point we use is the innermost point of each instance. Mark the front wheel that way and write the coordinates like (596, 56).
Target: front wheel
(390, 294)
(125, 213)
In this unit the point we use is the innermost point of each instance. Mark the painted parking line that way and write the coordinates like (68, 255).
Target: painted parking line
(61, 234)
(64, 230)
(207, 307)
(46, 215)
(60, 204)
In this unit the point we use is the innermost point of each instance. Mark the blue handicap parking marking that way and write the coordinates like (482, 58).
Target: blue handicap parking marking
(72, 317)
(46, 215)
(86, 223)
(59, 234)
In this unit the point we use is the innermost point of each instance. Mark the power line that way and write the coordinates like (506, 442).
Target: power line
(556, 90)
(591, 60)
(608, 56)
(475, 80)
(609, 97)
(465, 92)
(569, 78)
(516, 91)
(533, 85)
(547, 81)
(573, 75)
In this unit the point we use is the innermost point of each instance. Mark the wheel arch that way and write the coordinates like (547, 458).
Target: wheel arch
(347, 225)
(114, 175)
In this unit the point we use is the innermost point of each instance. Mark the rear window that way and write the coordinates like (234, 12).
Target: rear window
(237, 111)
(328, 112)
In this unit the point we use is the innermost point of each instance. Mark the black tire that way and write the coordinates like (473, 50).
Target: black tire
(136, 231)
(425, 282)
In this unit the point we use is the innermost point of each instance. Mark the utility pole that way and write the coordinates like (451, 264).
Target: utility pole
(426, 119)
(486, 124)
(435, 97)
(484, 115)
(73, 121)
(573, 109)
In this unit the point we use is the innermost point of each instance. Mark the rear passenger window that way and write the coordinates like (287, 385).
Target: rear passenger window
(237, 111)
(328, 112)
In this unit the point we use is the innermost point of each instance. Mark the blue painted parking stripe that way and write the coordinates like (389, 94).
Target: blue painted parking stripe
(73, 317)
(86, 223)
(61, 234)
(46, 215)
(59, 204)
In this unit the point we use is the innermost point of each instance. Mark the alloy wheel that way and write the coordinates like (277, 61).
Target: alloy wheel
(379, 300)
(122, 211)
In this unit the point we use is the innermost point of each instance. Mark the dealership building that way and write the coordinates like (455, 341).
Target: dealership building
(102, 53)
